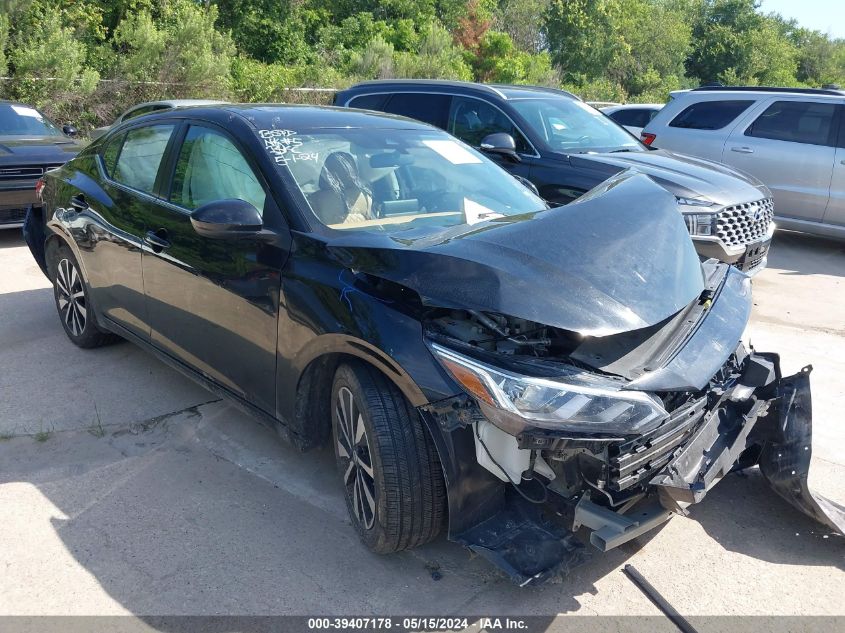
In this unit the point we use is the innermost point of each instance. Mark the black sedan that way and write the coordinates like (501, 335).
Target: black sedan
(471, 354)
(30, 145)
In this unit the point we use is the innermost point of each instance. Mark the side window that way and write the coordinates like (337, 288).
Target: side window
(369, 102)
(472, 119)
(428, 108)
(796, 121)
(140, 156)
(110, 153)
(210, 168)
(710, 115)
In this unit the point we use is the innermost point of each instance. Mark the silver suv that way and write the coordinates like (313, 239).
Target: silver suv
(791, 139)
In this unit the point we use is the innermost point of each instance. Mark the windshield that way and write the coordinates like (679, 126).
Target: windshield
(394, 180)
(569, 125)
(19, 120)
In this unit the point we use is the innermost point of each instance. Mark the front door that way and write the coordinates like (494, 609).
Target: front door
(214, 303)
(471, 119)
(790, 148)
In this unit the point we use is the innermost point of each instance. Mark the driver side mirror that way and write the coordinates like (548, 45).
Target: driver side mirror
(500, 143)
(227, 219)
(70, 130)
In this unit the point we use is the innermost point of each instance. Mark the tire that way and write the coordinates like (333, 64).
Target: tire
(70, 292)
(394, 485)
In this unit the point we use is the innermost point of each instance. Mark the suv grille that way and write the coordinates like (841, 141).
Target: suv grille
(745, 223)
(12, 216)
(20, 173)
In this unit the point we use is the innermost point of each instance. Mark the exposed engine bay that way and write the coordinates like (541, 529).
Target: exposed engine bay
(619, 485)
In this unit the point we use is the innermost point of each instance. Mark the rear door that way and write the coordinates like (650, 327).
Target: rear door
(835, 213)
(790, 146)
(131, 162)
(214, 303)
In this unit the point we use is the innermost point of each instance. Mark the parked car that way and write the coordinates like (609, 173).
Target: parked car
(471, 354)
(633, 116)
(598, 105)
(30, 144)
(792, 139)
(565, 148)
(148, 107)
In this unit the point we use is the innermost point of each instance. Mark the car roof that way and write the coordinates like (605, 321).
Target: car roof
(177, 103)
(715, 92)
(503, 91)
(631, 106)
(296, 117)
(17, 103)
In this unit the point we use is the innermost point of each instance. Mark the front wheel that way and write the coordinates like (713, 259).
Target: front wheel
(392, 476)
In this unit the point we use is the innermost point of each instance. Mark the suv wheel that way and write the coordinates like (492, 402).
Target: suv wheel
(71, 294)
(388, 464)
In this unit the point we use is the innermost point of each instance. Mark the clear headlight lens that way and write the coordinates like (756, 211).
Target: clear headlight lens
(698, 221)
(576, 401)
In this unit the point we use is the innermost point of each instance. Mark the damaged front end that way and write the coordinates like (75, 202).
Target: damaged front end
(569, 446)
(613, 484)
(603, 383)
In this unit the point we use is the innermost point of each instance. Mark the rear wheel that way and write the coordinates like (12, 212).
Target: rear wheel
(388, 464)
(71, 294)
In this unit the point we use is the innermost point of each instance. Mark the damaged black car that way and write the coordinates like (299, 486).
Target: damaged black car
(538, 381)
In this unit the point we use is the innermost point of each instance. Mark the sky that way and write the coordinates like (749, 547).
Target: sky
(827, 16)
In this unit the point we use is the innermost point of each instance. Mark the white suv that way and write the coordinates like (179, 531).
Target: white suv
(791, 139)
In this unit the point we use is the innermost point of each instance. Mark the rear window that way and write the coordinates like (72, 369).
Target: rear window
(428, 108)
(636, 117)
(710, 115)
(110, 154)
(796, 121)
(369, 102)
(141, 156)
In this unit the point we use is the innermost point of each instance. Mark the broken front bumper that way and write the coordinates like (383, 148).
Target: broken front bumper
(763, 418)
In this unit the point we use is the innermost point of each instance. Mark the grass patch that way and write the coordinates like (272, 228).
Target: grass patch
(96, 429)
(42, 435)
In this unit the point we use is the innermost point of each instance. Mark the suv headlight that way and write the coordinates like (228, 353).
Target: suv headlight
(699, 222)
(575, 401)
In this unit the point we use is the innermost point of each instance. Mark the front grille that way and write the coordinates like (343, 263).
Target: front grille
(745, 223)
(12, 216)
(641, 458)
(20, 173)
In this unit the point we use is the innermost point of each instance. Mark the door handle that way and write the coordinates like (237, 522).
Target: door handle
(842, 162)
(78, 203)
(157, 240)
(742, 150)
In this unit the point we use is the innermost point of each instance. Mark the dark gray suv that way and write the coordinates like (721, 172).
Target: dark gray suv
(566, 147)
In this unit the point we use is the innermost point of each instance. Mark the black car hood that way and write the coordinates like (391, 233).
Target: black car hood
(37, 150)
(618, 259)
(685, 176)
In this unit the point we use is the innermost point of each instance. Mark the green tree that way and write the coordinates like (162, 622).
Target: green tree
(182, 50)
(436, 57)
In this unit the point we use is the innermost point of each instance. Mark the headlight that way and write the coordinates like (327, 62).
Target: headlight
(698, 221)
(575, 401)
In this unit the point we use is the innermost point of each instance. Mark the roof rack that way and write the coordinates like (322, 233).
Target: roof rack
(557, 91)
(806, 91)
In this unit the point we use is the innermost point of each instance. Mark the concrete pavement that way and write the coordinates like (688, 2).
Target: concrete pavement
(126, 489)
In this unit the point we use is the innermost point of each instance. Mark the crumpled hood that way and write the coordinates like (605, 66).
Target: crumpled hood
(38, 150)
(617, 259)
(685, 176)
